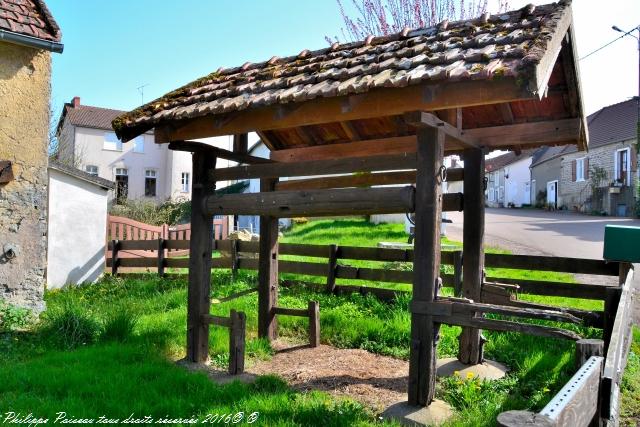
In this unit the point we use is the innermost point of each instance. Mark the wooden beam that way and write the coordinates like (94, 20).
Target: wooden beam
(375, 103)
(563, 131)
(241, 143)
(372, 147)
(268, 271)
(268, 140)
(350, 131)
(319, 167)
(426, 265)
(420, 118)
(287, 204)
(201, 247)
(471, 342)
(195, 146)
(361, 180)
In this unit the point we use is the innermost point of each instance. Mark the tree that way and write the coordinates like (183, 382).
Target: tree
(383, 17)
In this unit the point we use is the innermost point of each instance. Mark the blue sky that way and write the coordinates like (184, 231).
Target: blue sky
(112, 47)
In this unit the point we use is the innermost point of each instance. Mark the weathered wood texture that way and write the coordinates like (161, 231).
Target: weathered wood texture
(201, 247)
(236, 156)
(314, 323)
(268, 271)
(523, 419)
(331, 268)
(237, 333)
(585, 348)
(471, 343)
(618, 349)
(426, 265)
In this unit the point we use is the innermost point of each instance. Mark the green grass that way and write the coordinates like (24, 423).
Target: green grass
(127, 367)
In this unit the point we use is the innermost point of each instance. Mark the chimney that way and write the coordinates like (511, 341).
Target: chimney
(75, 101)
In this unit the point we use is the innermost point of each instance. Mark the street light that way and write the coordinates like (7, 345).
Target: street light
(629, 33)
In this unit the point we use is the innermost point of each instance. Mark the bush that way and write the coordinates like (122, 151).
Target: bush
(119, 326)
(169, 212)
(71, 326)
(12, 317)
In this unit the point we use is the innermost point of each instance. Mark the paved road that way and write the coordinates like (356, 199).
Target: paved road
(535, 232)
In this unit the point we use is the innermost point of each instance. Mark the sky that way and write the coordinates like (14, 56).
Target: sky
(113, 47)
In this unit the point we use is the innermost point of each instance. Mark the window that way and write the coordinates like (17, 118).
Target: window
(580, 175)
(185, 182)
(150, 183)
(621, 166)
(92, 170)
(122, 185)
(138, 144)
(111, 142)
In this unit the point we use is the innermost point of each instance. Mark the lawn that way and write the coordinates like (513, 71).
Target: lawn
(108, 349)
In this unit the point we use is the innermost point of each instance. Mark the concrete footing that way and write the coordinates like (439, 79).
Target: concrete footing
(433, 415)
(488, 369)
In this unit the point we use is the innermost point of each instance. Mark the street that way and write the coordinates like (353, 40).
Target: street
(536, 232)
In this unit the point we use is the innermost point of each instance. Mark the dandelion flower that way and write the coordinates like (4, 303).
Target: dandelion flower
(470, 375)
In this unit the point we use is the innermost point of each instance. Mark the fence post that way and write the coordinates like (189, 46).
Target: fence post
(314, 323)
(457, 273)
(161, 257)
(611, 301)
(523, 419)
(234, 258)
(332, 264)
(237, 342)
(115, 246)
(585, 348)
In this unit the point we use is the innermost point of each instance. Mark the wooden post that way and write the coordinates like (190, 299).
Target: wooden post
(115, 246)
(314, 323)
(457, 273)
(611, 302)
(161, 257)
(585, 348)
(332, 264)
(200, 252)
(471, 342)
(237, 342)
(426, 264)
(234, 258)
(268, 271)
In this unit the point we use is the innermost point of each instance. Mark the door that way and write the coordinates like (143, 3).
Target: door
(527, 194)
(552, 194)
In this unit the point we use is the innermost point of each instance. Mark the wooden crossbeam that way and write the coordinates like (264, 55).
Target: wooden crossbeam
(563, 131)
(195, 146)
(421, 118)
(319, 167)
(361, 180)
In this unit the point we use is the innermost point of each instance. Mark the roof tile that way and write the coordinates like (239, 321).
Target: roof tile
(29, 18)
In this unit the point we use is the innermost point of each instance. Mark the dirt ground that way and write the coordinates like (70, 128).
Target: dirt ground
(373, 380)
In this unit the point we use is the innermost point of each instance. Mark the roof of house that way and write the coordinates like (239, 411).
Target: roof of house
(69, 170)
(30, 18)
(519, 47)
(87, 116)
(504, 160)
(610, 124)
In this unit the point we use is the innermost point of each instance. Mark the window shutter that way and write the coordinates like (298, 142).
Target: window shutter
(586, 168)
(573, 171)
(634, 159)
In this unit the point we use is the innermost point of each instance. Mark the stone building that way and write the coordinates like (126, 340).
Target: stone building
(610, 166)
(28, 35)
(545, 177)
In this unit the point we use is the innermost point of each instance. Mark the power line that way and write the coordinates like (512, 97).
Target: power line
(606, 45)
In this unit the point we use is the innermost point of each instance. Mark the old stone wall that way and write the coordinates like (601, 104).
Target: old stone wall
(24, 120)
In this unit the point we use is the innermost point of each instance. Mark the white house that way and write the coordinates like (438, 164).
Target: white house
(140, 168)
(77, 225)
(508, 180)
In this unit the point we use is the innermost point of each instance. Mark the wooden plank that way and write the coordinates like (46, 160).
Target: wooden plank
(193, 146)
(531, 133)
(421, 118)
(331, 268)
(373, 147)
(314, 323)
(115, 244)
(376, 103)
(300, 312)
(161, 256)
(555, 289)
(523, 419)
(285, 204)
(457, 273)
(319, 167)
(216, 320)
(201, 247)
(237, 333)
(268, 271)
(471, 343)
(508, 326)
(137, 262)
(241, 143)
(548, 263)
(426, 266)
(576, 404)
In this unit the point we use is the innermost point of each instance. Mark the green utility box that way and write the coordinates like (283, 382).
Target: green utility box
(622, 243)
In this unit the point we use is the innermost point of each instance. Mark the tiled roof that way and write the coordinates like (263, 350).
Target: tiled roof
(69, 170)
(613, 123)
(90, 117)
(29, 18)
(503, 160)
(490, 47)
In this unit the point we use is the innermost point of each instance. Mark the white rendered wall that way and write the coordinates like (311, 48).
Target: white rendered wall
(516, 185)
(77, 230)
